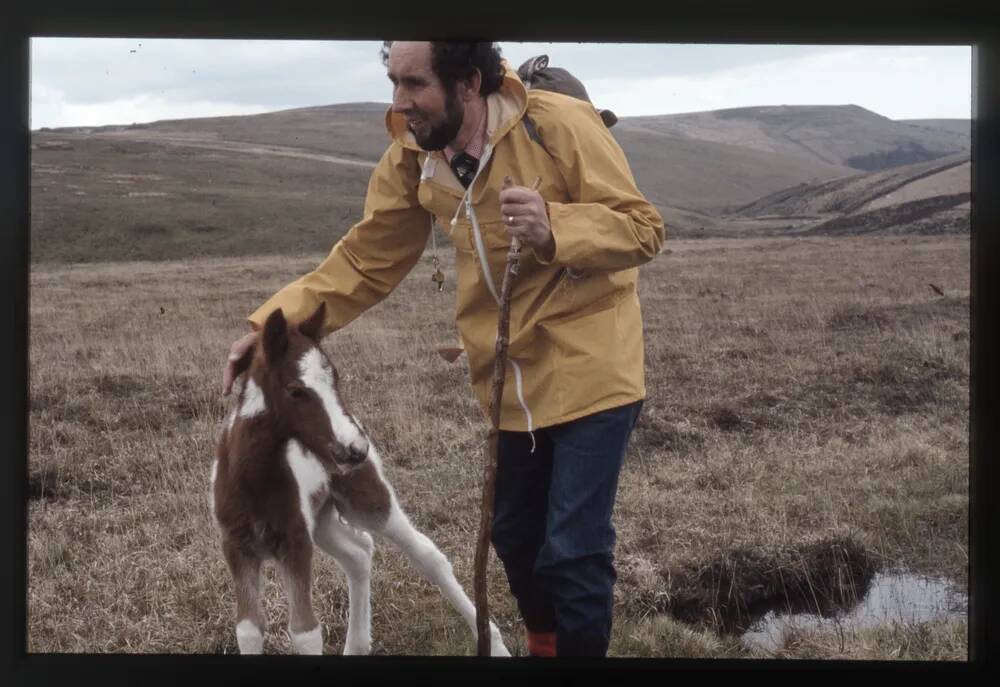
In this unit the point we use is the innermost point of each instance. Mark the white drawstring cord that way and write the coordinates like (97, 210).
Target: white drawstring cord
(520, 398)
(426, 172)
(470, 212)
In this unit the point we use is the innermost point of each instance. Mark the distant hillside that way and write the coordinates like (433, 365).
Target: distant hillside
(960, 127)
(710, 176)
(748, 152)
(845, 135)
(355, 130)
(295, 181)
(97, 197)
(927, 197)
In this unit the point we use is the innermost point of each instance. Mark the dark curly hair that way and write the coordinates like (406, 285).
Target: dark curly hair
(454, 60)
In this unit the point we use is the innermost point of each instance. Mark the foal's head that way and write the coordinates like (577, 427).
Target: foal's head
(292, 383)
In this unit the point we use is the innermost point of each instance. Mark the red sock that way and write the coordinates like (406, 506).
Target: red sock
(541, 643)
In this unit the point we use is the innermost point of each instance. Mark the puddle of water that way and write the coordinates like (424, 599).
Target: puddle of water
(892, 598)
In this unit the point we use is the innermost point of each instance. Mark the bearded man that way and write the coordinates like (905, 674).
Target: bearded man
(461, 121)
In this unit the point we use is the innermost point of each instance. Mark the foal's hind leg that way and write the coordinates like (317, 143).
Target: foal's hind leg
(435, 567)
(245, 569)
(352, 551)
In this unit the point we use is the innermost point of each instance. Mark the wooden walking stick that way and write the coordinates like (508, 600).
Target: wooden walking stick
(490, 466)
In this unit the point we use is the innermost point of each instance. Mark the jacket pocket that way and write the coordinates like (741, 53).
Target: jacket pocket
(589, 364)
(579, 295)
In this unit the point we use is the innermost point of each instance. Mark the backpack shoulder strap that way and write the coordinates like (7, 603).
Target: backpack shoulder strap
(533, 132)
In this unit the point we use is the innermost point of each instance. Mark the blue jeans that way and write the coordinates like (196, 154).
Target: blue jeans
(552, 525)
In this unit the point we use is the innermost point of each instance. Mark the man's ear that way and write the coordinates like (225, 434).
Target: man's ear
(313, 327)
(471, 85)
(275, 337)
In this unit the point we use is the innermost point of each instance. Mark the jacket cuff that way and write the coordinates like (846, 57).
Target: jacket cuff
(555, 253)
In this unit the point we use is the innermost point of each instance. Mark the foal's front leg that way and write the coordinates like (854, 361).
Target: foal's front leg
(435, 567)
(296, 571)
(245, 569)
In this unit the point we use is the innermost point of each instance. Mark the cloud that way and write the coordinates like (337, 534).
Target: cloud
(897, 82)
(96, 69)
(141, 108)
(622, 61)
(141, 80)
(78, 81)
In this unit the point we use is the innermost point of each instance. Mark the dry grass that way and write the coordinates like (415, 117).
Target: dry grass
(799, 392)
(930, 641)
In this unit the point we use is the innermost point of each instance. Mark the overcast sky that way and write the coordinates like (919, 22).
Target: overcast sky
(95, 81)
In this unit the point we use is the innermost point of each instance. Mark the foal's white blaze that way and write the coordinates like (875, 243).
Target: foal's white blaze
(311, 478)
(253, 400)
(315, 373)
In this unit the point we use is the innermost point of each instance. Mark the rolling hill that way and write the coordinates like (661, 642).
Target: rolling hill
(846, 135)
(926, 197)
(961, 128)
(295, 180)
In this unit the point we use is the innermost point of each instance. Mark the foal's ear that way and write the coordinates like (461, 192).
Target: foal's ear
(313, 327)
(275, 337)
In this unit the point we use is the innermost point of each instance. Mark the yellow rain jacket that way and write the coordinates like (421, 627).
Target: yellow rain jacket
(576, 343)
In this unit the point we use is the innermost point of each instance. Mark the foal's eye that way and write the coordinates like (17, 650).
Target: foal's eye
(297, 392)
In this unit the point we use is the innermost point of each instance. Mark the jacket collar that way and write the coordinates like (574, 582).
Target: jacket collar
(505, 109)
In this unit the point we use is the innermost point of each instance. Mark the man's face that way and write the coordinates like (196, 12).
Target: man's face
(433, 114)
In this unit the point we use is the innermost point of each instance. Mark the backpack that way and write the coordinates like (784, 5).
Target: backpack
(536, 73)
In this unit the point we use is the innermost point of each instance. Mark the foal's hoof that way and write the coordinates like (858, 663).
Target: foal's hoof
(308, 643)
(497, 647)
(358, 649)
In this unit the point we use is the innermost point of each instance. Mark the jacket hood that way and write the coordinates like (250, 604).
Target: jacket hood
(505, 107)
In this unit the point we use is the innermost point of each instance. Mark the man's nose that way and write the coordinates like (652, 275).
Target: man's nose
(400, 101)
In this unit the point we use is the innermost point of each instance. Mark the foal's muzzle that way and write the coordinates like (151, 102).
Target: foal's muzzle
(351, 455)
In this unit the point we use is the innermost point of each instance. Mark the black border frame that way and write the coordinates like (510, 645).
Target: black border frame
(846, 22)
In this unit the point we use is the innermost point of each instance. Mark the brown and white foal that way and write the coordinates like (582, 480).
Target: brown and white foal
(295, 469)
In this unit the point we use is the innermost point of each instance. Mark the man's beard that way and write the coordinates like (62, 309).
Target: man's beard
(445, 132)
